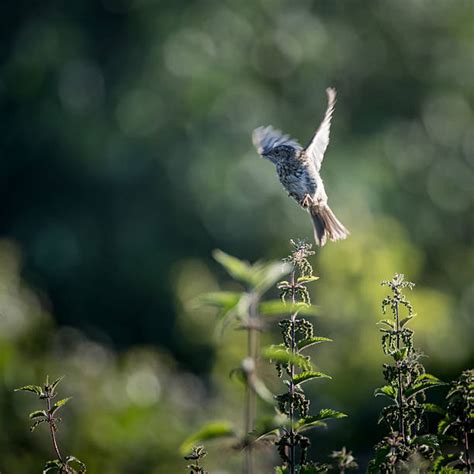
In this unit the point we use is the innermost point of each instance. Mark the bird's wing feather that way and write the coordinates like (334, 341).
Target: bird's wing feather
(320, 141)
(267, 138)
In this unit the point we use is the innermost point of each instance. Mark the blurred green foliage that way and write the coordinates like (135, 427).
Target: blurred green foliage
(126, 158)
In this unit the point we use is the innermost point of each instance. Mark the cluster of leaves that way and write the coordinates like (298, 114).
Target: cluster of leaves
(295, 366)
(47, 392)
(197, 453)
(406, 384)
(457, 424)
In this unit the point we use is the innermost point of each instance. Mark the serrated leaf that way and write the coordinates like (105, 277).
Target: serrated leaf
(211, 431)
(278, 308)
(422, 383)
(318, 420)
(310, 375)
(55, 464)
(311, 341)
(387, 390)
(405, 320)
(82, 466)
(400, 354)
(428, 440)
(59, 404)
(278, 354)
(37, 414)
(55, 384)
(30, 388)
(307, 279)
(387, 322)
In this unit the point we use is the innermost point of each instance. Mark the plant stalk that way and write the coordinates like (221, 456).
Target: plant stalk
(250, 397)
(400, 381)
(292, 375)
(466, 451)
(52, 430)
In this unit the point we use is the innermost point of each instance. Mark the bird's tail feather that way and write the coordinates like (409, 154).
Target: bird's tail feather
(326, 225)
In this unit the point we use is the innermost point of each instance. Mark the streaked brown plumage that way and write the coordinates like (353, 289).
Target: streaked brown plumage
(298, 170)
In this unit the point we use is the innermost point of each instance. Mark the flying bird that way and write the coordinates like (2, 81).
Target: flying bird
(298, 170)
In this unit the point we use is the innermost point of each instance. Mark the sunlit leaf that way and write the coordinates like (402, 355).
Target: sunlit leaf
(278, 307)
(278, 354)
(388, 390)
(37, 414)
(59, 404)
(56, 383)
(211, 431)
(305, 376)
(30, 388)
(318, 420)
(238, 269)
(422, 383)
(225, 301)
(267, 274)
(305, 343)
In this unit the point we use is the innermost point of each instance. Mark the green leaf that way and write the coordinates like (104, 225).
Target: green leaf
(305, 343)
(422, 383)
(211, 431)
(307, 279)
(429, 440)
(82, 466)
(318, 420)
(387, 390)
(238, 269)
(55, 384)
(305, 376)
(225, 301)
(30, 388)
(400, 354)
(36, 423)
(37, 414)
(267, 274)
(278, 354)
(433, 408)
(278, 308)
(387, 322)
(405, 320)
(59, 404)
(54, 465)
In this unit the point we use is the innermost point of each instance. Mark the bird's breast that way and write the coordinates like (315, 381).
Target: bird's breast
(297, 178)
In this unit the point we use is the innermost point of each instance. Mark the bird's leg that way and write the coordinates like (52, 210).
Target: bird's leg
(306, 201)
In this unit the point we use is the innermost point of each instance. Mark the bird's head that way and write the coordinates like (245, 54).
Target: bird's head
(278, 153)
(273, 144)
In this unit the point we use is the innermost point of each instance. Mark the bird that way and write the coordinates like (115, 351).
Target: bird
(298, 170)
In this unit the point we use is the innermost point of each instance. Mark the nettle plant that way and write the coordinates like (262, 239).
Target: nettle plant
(49, 415)
(244, 310)
(295, 367)
(197, 453)
(406, 384)
(457, 424)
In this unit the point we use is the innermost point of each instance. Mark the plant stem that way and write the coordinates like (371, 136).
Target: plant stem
(250, 397)
(52, 430)
(292, 376)
(400, 381)
(466, 451)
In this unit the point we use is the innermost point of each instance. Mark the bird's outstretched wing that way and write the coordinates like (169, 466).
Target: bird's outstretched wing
(320, 141)
(267, 138)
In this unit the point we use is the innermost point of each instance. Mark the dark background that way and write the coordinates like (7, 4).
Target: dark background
(126, 159)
